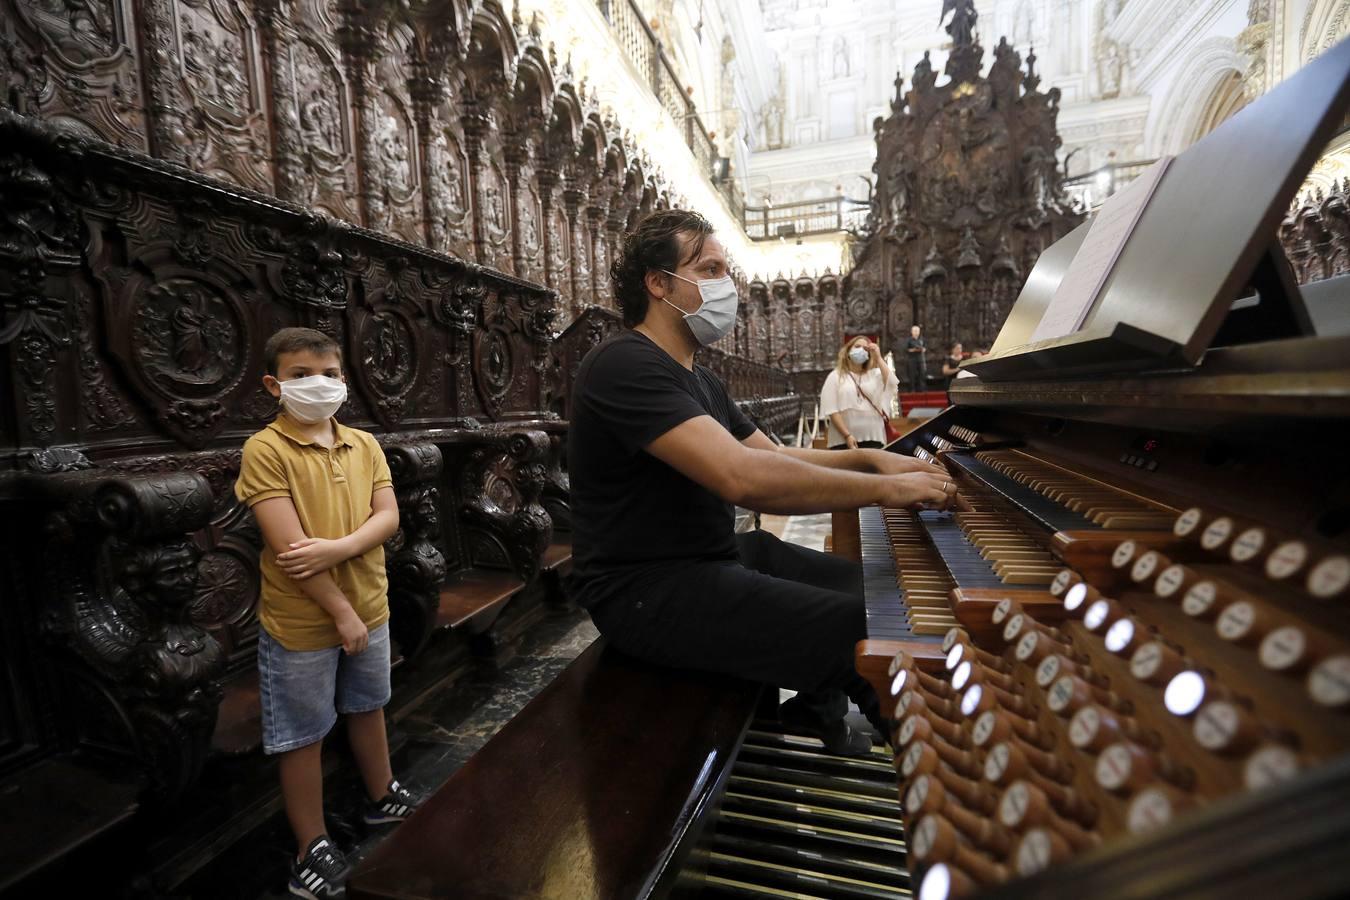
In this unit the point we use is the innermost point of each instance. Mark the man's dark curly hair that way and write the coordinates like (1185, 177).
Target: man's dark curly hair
(654, 243)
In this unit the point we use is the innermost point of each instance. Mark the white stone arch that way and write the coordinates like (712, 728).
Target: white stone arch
(1331, 170)
(1199, 87)
(1325, 23)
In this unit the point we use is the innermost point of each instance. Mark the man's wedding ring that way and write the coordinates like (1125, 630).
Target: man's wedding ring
(944, 486)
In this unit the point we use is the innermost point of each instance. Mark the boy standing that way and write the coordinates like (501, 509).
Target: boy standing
(324, 499)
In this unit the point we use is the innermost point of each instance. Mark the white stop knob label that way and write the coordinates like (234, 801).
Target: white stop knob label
(924, 835)
(1216, 725)
(1200, 598)
(1236, 621)
(917, 793)
(1096, 614)
(1283, 648)
(1013, 806)
(1033, 853)
(1219, 531)
(907, 730)
(1269, 765)
(1329, 681)
(1247, 545)
(1014, 627)
(1286, 559)
(1061, 582)
(1026, 646)
(1061, 693)
(1001, 610)
(984, 727)
(1169, 581)
(1124, 553)
(911, 761)
(1084, 727)
(1145, 566)
(1146, 661)
(1150, 809)
(1187, 521)
(1047, 671)
(1329, 577)
(1113, 767)
(996, 763)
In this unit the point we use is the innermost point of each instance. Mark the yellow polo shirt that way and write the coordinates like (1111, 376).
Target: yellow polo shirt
(331, 490)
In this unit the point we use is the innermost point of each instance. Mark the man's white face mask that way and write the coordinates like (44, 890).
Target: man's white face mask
(717, 316)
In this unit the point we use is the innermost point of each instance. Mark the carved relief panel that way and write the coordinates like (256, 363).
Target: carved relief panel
(391, 168)
(217, 67)
(80, 62)
(449, 205)
(780, 325)
(325, 152)
(761, 342)
(529, 223)
(181, 335)
(494, 198)
(560, 253)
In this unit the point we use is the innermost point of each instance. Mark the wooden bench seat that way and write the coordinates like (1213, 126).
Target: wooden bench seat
(589, 792)
(55, 806)
(558, 557)
(472, 598)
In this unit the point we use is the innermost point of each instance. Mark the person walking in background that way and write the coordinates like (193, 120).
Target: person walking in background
(916, 351)
(856, 396)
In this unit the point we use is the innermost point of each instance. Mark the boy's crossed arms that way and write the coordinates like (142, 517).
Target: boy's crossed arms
(307, 560)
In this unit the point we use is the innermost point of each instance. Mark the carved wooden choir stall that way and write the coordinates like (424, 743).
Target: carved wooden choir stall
(179, 180)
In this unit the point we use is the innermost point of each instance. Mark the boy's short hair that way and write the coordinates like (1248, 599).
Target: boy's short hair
(653, 244)
(293, 340)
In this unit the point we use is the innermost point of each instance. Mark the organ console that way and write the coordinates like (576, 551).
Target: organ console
(1135, 644)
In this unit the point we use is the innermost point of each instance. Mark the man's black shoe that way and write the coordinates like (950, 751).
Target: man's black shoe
(836, 734)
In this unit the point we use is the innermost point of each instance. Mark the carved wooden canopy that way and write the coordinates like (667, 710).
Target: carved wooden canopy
(968, 194)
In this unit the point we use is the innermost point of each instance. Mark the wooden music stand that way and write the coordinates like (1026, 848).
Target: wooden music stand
(1206, 234)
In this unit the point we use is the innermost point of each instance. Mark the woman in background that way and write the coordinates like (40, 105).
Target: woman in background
(856, 395)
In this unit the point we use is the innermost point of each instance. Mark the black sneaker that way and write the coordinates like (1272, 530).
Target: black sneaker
(839, 738)
(322, 874)
(396, 806)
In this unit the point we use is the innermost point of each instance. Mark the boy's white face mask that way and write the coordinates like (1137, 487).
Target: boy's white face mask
(312, 399)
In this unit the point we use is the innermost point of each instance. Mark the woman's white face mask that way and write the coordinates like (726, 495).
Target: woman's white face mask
(859, 355)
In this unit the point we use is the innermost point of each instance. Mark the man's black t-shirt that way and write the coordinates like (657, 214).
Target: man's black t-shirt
(633, 516)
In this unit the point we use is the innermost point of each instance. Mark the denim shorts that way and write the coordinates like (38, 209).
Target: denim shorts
(303, 691)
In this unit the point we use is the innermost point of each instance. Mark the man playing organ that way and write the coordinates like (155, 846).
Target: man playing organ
(659, 456)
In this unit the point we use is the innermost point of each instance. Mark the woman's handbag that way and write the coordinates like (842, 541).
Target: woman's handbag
(892, 433)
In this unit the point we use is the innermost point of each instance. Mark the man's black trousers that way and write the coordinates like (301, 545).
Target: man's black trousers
(784, 615)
